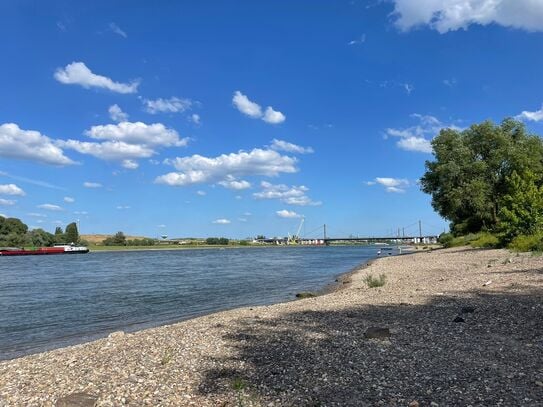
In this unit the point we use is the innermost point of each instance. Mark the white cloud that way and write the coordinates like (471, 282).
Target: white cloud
(88, 184)
(7, 202)
(81, 213)
(195, 118)
(281, 145)
(358, 41)
(129, 164)
(394, 185)
(37, 215)
(247, 213)
(419, 144)
(245, 106)
(122, 207)
(222, 221)
(451, 83)
(161, 226)
(201, 193)
(253, 110)
(30, 145)
(69, 199)
(171, 105)
(126, 141)
(291, 195)
(408, 87)
(109, 150)
(287, 214)
(117, 30)
(243, 219)
(273, 116)
(116, 113)
(418, 138)
(451, 15)
(11, 189)
(536, 116)
(198, 169)
(50, 207)
(138, 133)
(77, 73)
(232, 183)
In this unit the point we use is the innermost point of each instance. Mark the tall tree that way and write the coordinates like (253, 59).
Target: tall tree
(71, 235)
(468, 177)
(522, 207)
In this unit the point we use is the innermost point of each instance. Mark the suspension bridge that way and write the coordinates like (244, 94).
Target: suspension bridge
(410, 234)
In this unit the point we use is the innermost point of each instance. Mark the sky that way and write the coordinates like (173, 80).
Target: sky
(239, 118)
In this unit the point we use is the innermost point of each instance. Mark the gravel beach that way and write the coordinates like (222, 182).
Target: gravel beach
(454, 327)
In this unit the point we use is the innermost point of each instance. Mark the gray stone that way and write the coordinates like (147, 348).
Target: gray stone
(377, 333)
(77, 400)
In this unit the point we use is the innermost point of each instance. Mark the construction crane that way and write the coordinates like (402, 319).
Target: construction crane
(295, 239)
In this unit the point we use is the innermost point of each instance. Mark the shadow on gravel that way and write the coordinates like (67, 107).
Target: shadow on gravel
(313, 358)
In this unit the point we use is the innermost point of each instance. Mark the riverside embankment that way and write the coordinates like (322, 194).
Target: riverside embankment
(464, 325)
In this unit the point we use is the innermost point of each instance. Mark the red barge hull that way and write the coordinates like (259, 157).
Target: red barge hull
(40, 251)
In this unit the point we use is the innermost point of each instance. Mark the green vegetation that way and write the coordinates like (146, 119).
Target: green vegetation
(305, 295)
(524, 243)
(217, 241)
(373, 282)
(487, 181)
(14, 233)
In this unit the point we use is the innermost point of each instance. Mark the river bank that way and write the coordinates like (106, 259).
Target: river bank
(315, 352)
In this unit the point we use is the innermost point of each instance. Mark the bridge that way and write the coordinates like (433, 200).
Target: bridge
(321, 237)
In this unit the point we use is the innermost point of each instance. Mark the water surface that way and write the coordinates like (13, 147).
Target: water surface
(53, 301)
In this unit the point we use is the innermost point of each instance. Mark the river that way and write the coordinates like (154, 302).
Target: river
(48, 302)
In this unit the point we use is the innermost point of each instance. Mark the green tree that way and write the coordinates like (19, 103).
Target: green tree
(521, 212)
(468, 177)
(40, 238)
(59, 235)
(12, 232)
(71, 235)
(119, 239)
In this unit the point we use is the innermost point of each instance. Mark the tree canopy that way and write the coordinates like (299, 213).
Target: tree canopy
(71, 235)
(476, 174)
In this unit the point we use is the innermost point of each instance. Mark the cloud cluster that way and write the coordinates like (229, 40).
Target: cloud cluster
(395, 185)
(281, 145)
(11, 189)
(227, 168)
(171, 105)
(116, 113)
(30, 145)
(535, 116)
(50, 207)
(451, 15)
(126, 142)
(253, 110)
(290, 195)
(88, 184)
(77, 73)
(288, 214)
(7, 202)
(418, 137)
(117, 30)
(222, 221)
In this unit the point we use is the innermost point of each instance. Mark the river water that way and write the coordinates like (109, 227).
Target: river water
(48, 302)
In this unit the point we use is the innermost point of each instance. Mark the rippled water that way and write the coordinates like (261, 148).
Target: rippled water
(52, 301)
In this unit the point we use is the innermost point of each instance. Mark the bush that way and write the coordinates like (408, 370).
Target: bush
(217, 241)
(445, 239)
(527, 243)
(485, 240)
(373, 282)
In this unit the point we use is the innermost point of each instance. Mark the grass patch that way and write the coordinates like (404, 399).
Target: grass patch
(168, 355)
(373, 282)
(527, 243)
(485, 240)
(306, 295)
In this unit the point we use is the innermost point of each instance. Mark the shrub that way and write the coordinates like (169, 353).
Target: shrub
(527, 243)
(485, 240)
(445, 239)
(373, 282)
(305, 295)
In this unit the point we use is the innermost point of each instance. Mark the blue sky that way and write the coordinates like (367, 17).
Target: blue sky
(236, 118)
